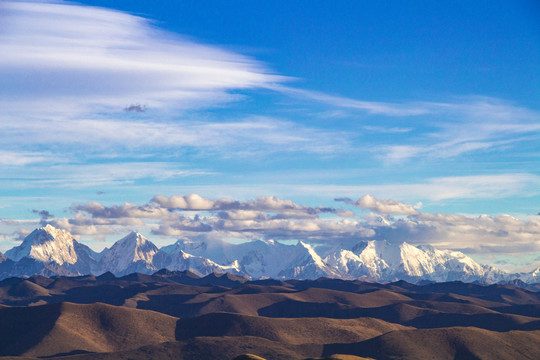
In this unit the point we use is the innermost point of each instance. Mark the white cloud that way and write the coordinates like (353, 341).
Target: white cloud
(69, 71)
(387, 130)
(273, 218)
(91, 175)
(128, 210)
(471, 125)
(249, 136)
(474, 234)
(272, 204)
(371, 107)
(162, 207)
(21, 158)
(382, 206)
(186, 202)
(481, 234)
(66, 57)
(186, 215)
(494, 186)
(482, 186)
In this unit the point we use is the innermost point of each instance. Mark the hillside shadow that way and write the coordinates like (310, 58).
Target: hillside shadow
(172, 304)
(490, 321)
(22, 328)
(74, 352)
(296, 309)
(105, 293)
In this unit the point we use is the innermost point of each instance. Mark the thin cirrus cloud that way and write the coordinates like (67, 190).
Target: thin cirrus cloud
(79, 176)
(77, 69)
(493, 186)
(20, 158)
(468, 126)
(442, 129)
(252, 134)
(370, 107)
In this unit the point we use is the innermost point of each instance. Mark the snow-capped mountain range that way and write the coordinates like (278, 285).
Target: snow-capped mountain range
(50, 251)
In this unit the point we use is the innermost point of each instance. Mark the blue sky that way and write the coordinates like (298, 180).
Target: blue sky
(432, 105)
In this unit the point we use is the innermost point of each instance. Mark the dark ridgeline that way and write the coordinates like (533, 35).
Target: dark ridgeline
(180, 315)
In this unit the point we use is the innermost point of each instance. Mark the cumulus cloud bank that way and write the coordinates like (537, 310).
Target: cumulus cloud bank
(187, 215)
(381, 206)
(271, 217)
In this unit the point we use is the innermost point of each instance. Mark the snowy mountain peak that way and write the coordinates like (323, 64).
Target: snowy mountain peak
(58, 253)
(46, 244)
(387, 261)
(187, 245)
(134, 237)
(311, 253)
(531, 277)
(303, 262)
(129, 254)
(181, 261)
(48, 233)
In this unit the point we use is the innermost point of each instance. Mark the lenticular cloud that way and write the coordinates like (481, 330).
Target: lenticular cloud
(92, 58)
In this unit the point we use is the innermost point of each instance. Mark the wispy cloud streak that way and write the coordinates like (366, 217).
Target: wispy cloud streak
(70, 58)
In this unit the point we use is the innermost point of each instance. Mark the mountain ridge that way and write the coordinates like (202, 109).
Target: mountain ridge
(49, 251)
